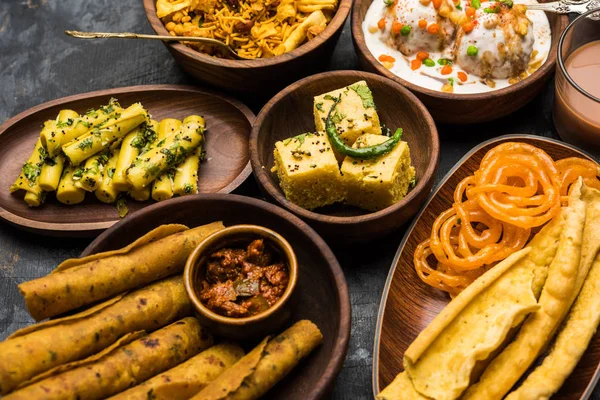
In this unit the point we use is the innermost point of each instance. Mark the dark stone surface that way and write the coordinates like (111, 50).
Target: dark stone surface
(39, 63)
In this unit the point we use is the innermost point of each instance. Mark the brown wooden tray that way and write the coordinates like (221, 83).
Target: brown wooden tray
(321, 294)
(408, 305)
(228, 130)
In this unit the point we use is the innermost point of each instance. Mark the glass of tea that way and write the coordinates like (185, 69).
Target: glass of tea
(577, 101)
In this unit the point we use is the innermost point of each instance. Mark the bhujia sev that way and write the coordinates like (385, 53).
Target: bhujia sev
(253, 28)
(517, 188)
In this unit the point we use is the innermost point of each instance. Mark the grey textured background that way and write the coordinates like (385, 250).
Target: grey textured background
(39, 63)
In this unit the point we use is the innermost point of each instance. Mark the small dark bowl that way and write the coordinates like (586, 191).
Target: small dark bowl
(256, 326)
(290, 113)
(261, 77)
(464, 108)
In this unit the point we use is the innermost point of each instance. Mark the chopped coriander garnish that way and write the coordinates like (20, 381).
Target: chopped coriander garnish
(188, 188)
(85, 144)
(508, 3)
(319, 106)
(475, 4)
(77, 174)
(458, 6)
(122, 208)
(365, 95)
(111, 172)
(451, 81)
(31, 171)
(62, 124)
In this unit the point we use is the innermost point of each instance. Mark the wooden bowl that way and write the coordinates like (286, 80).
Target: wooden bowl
(260, 77)
(408, 305)
(256, 326)
(290, 113)
(321, 294)
(464, 108)
(227, 166)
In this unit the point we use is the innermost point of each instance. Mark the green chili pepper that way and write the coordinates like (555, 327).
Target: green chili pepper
(405, 31)
(472, 51)
(363, 152)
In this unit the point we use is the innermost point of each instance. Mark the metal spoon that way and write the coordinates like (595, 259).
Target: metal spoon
(130, 35)
(568, 6)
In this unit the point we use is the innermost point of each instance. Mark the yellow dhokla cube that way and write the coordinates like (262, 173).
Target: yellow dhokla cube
(308, 171)
(354, 115)
(377, 183)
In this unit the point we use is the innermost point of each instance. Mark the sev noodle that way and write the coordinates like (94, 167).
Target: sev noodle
(252, 28)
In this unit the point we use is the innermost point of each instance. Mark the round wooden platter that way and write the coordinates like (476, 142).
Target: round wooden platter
(227, 162)
(408, 305)
(321, 294)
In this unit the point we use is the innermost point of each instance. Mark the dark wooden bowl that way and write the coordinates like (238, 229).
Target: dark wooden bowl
(464, 108)
(321, 294)
(408, 305)
(261, 77)
(227, 166)
(290, 113)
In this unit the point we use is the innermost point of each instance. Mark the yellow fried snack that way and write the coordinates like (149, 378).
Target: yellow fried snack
(506, 369)
(581, 323)
(401, 388)
(265, 365)
(63, 340)
(187, 379)
(122, 367)
(468, 331)
(78, 282)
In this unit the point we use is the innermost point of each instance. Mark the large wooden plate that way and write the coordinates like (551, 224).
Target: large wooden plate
(321, 294)
(408, 305)
(227, 166)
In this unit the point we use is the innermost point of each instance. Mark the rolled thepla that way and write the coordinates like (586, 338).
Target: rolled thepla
(122, 367)
(73, 338)
(156, 255)
(265, 365)
(187, 379)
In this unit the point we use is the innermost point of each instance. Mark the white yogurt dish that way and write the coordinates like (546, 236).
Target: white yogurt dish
(470, 48)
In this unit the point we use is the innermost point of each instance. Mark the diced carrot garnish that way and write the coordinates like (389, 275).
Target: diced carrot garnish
(433, 28)
(381, 24)
(470, 11)
(396, 27)
(468, 26)
(415, 64)
(462, 76)
(447, 70)
(385, 57)
(422, 55)
(422, 23)
(437, 4)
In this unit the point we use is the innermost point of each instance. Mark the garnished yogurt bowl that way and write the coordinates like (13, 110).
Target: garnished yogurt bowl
(467, 62)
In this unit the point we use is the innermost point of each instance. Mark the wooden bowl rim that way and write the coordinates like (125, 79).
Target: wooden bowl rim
(341, 345)
(540, 73)
(275, 192)
(44, 227)
(388, 282)
(336, 23)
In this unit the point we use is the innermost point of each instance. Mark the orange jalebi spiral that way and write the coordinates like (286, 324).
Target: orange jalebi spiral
(516, 188)
(569, 169)
(532, 203)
